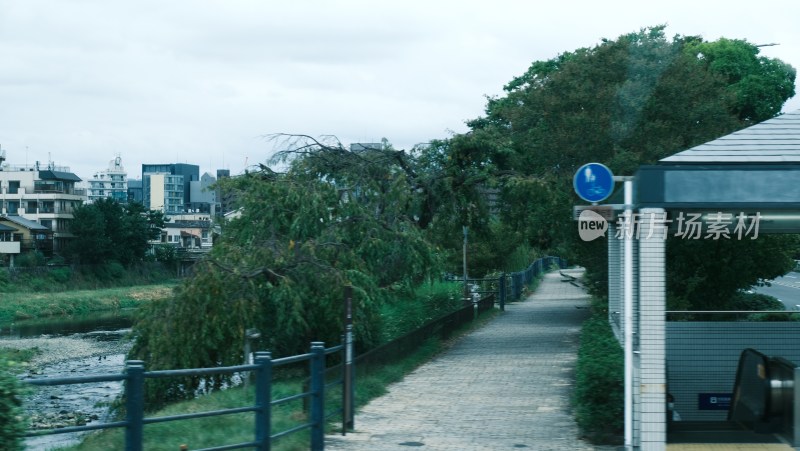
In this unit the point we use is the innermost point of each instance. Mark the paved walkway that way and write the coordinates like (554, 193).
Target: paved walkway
(505, 386)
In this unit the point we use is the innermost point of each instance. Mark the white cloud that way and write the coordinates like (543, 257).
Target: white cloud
(202, 81)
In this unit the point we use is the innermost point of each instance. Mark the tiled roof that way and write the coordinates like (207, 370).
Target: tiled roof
(775, 140)
(27, 223)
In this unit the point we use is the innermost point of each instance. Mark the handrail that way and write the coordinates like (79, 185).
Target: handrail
(134, 377)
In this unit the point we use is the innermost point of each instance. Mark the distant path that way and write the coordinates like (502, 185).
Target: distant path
(506, 386)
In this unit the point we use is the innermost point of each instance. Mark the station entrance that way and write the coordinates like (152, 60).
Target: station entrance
(697, 377)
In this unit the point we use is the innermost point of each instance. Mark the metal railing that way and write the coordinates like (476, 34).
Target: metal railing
(135, 420)
(508, 287)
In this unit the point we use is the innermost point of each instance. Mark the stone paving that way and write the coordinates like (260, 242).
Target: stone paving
(505, 386)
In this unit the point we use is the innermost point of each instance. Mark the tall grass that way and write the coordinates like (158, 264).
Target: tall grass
(408, 311)
(24, 305)
(54, 279)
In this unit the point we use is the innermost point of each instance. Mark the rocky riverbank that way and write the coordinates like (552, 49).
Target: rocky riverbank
(101, 352)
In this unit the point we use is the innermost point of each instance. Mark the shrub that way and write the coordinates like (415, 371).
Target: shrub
(60, 275)
(599, 386)
(12, 424)
(30, 259)
(755, 301)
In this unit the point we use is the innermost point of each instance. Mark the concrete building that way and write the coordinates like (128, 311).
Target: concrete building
(203, 199)
(43, 194)
(164, 192)
(188, 173)
(135, 191)
(111, 183)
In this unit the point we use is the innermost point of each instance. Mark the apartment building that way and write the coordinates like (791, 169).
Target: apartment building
(111, 183)
(167, 187)
(43, 194)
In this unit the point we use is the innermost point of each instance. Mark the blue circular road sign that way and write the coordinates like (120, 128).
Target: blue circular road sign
(593, 182)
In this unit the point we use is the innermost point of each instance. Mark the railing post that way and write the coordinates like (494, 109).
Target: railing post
(348, 376)
(317, 396)
(134, 405)
(502, 291)
(515, 289)
(263, 400)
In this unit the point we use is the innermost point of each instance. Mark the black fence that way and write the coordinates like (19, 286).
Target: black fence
(509, 287)
(263, 436)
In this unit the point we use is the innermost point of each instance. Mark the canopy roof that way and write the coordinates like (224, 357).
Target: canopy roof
(755, 170)
(775, 140)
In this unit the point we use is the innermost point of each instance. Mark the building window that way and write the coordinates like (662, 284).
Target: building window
(13, 207)
(13, 187)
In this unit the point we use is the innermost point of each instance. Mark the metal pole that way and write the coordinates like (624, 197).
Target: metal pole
(317, 396)
(263, 400)
(134, 405)
(466, 282)
(348, 386)
(627, 281)
(502, 291)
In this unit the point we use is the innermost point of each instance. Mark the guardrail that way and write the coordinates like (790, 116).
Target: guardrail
(135, 375)
(508, 287)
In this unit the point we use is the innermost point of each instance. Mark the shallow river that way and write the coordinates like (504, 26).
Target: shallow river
(73, 347)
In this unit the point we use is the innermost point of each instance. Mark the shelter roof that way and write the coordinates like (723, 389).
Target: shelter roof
(27, 223)
(775, 140)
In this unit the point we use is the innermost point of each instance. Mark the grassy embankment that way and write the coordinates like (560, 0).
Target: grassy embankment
(21, 306)
(51, 292)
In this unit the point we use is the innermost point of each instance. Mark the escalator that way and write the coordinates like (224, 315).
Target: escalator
(762, 408)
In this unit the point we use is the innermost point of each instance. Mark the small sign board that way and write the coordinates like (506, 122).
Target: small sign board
(593, 182)
(606, 211)
(714, 401)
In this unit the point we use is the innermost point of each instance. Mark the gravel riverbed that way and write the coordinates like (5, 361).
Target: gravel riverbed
(101, 352)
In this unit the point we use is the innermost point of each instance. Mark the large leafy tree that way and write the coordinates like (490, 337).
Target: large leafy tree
(624, 102)
(106, 231)
(281, 266)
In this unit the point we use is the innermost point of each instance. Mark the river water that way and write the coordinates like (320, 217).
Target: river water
(95, 344)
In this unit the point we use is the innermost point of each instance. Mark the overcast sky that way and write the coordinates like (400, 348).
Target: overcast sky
(202, 82)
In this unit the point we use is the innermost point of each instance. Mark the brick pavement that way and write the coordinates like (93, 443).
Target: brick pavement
(505, 386)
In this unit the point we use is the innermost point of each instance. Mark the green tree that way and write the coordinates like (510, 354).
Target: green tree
(439, 186)
(107, 231)
(624, 102)
(281, 267)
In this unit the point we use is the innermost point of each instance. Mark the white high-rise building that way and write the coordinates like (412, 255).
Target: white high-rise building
(112, 183)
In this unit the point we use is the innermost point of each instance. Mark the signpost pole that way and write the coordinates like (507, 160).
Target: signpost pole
(627, 297)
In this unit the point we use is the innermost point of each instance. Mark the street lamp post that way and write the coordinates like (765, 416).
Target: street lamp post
(466, 281)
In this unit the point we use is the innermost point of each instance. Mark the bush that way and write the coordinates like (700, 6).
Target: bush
(30, 259)
(408, 311)
(109, 271)
(12, 424)
(599, 382)
(60, 275)
(755, 301)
